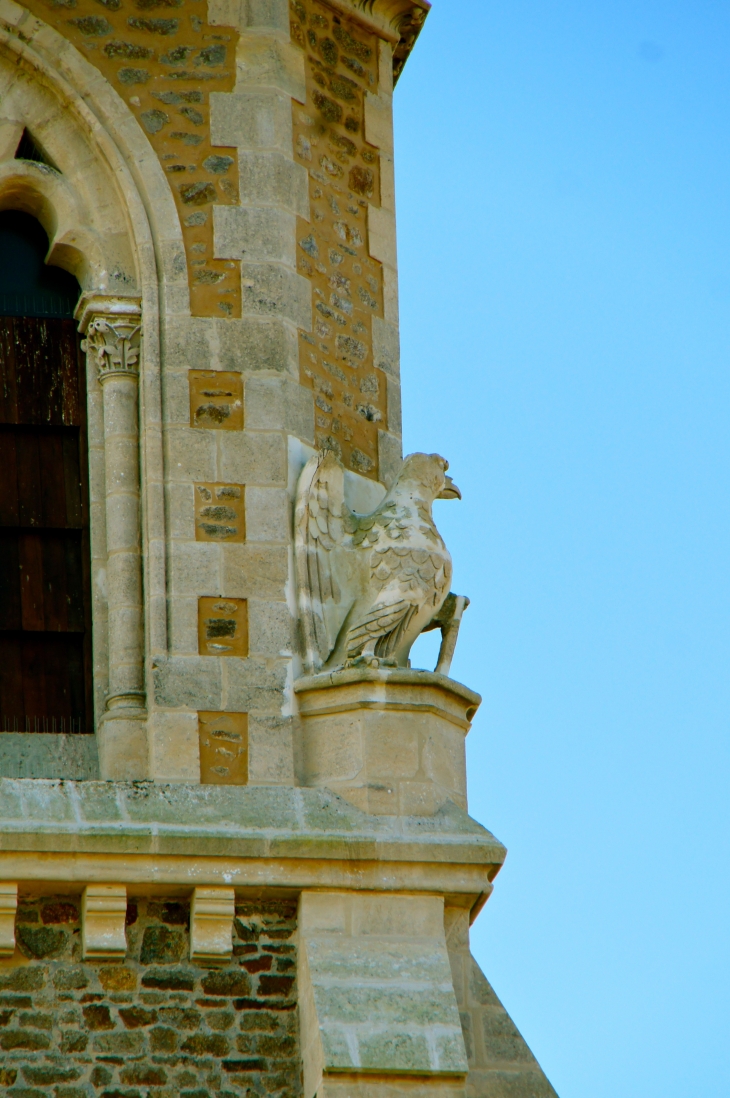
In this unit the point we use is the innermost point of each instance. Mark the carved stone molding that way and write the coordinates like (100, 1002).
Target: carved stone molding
(113, 330)
(400, 21)
(103, 914)
(211, 925)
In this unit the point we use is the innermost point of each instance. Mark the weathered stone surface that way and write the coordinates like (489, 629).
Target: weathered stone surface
(26, 755)
(376, 987)
(96, 1025)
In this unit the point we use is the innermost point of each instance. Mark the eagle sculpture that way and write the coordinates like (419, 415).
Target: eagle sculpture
(369, 584)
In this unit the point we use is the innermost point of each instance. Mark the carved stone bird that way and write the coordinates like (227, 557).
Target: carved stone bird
(369, 584)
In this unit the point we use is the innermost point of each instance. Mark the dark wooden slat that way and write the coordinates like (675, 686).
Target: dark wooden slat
(56, 588)
(74, 569)
(33, 661)
(8, 380)
(52, 477)
(71, 372)
(73, 480)
(12, 700)
(30, 548)
(8, 480)
(30, 510)
(10, 607)
(73, 675)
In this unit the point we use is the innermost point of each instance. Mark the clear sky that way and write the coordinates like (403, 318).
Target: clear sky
(564, 249)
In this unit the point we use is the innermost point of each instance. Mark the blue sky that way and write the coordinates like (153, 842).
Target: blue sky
(564, 248)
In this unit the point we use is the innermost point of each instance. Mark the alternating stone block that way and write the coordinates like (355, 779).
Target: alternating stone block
(8, 908)
(375, 992)
(103, 914)
(211, 925)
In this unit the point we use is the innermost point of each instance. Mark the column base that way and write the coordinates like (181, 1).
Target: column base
(123, 745)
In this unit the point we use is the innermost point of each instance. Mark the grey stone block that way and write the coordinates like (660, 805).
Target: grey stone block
(247, 458)
(270, 629)
(253, 684)
(255, 120)
(386, 346)
(272, 289)
(48, 755)
(261, 234)
(278, 404)
(249, 344)
(192, 681)
(273, 179)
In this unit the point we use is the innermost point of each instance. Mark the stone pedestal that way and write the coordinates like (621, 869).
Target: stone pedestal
(390, 742)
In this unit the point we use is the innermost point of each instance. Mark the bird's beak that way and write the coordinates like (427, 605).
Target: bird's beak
(449, 490)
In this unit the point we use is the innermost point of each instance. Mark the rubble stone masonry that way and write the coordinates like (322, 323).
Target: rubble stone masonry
(155, 1025)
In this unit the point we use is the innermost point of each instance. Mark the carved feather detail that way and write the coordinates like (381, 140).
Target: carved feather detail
(368, 584)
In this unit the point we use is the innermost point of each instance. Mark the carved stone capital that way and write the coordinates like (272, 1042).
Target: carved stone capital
(113, 330)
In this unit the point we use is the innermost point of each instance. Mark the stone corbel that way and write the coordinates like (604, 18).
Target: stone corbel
(211, 925)
(8, 907)
(103, 919)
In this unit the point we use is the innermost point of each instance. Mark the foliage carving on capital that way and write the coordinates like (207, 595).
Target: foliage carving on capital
(114, 342)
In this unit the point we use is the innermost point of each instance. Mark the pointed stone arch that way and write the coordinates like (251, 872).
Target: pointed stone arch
(111, 221)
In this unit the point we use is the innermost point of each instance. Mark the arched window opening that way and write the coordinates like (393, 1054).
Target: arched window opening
(45, 620)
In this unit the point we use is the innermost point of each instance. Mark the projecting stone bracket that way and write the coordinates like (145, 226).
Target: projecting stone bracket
(211, 925)
(8, 907)
(103, 918)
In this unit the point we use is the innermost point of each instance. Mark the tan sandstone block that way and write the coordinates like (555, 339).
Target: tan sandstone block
(222, 627)
(216, 400)
(391, 747)
(223, 748)
(220, 512)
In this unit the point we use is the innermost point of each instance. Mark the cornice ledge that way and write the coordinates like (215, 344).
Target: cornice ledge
(399, 20)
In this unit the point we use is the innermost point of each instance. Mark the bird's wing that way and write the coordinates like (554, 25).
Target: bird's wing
(385, 624)
(319, 520)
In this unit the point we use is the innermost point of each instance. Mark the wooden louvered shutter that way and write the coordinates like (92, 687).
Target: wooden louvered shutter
(45, 621)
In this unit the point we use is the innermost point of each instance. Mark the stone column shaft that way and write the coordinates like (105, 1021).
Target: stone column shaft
(112, 327)
(124, 574)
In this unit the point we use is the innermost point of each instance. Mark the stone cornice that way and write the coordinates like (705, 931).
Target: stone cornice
(241, 836)
(399, 21)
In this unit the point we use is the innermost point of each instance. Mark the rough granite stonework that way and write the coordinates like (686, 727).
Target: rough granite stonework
(268, 789)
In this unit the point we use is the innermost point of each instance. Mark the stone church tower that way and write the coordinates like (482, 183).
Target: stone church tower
(235, 854)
